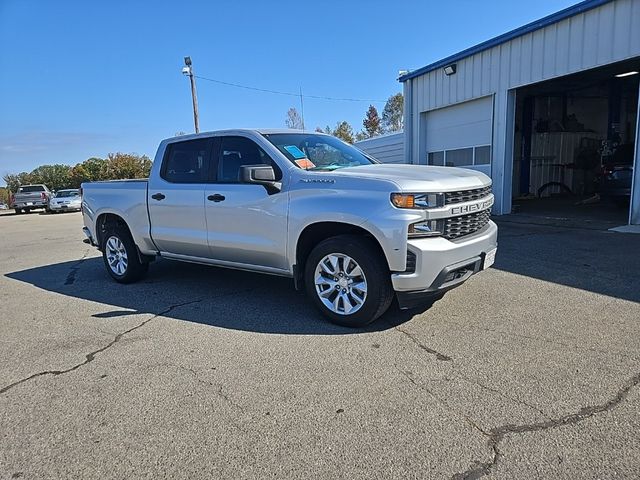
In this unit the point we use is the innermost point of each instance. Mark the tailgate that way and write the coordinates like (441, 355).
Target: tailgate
(28, 197)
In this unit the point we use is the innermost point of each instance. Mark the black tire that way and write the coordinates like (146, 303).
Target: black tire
(18, 211)
(135, 269)
(366, 253)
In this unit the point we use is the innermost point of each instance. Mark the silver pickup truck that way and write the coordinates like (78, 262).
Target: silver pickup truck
(352, 232)
(30, 197)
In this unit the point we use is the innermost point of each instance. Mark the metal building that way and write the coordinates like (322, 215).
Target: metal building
(548, 108)
(387, 148)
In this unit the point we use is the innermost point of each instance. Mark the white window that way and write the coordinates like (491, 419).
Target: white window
(461, 157)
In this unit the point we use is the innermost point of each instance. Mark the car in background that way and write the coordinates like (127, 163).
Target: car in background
(616, 176)
(30, 197)
(4, 206)
(66, 201)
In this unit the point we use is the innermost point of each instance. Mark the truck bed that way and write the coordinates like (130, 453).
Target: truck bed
(127, 198)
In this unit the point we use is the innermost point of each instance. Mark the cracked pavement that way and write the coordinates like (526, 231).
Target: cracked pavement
(529, 370)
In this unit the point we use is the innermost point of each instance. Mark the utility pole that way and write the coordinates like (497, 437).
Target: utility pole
(302, 108)
(188, 70)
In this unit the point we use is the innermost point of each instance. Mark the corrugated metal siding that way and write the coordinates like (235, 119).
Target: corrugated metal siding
(386, 148)
(603, 35)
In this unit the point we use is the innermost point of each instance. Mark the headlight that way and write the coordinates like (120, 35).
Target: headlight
(426, 228)
(417, 200)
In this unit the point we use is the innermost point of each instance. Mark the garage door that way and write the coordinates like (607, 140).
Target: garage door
(460, 135)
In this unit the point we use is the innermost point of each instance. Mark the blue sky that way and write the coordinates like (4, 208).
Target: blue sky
(81, 78)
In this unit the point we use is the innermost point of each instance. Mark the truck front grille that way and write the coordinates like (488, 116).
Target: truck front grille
(456, 227)
(466, 195)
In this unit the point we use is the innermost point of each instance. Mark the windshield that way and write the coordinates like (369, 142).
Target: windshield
(311, 151)
(68, 193)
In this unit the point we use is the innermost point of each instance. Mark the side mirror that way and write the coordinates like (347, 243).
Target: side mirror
(261, 175)
(258, 173)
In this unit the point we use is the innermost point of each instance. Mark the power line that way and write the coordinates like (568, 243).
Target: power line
(291, 94)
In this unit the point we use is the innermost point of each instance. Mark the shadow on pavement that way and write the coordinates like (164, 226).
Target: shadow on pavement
(220, 297)
(598, 261)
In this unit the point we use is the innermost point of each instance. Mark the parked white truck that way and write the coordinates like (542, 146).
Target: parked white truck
(354, 233)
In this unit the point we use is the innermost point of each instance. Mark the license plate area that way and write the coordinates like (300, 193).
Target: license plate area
(489, 258)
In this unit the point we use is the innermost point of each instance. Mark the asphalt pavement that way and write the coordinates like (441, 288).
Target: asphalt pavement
(529, 370)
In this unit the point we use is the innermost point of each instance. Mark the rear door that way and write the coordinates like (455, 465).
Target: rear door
(247, 224)
(176, 199)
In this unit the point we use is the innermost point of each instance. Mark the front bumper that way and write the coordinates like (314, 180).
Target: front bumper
(442, 264)
(64, 208)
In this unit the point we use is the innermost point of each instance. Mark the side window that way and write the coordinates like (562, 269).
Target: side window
(234, 153)
(187, 162)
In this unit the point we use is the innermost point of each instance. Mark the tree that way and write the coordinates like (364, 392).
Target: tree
(294, 120)
(56, 177)
(79, 175)
(343, 131)
(4, 195)
(127, 165)
(371, 123)
(392, 113)
(96, 168)
(361, 136)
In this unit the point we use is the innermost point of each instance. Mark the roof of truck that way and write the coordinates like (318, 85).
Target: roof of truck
(232, 131)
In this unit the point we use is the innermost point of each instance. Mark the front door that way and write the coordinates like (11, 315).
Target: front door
(176, 199)
(246, 223)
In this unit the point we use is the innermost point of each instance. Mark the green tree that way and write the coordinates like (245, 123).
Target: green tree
(4, 195)
(361, 136)
(294, 120)
(392, 113)
(372, 123)
(55, 177)
(96, 168)
(127, 165)
(79, 174)
(343, 131)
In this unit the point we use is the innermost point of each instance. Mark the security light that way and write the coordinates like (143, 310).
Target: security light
(186, 70)
(627, 74)
(450, 69)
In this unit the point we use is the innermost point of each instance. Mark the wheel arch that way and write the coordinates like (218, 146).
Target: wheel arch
(107, 219)
(317, 232)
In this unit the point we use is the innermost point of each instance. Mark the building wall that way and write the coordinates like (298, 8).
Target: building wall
(605, 34)
(386, 148)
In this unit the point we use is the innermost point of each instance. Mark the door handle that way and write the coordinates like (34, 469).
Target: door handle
(216, 198)
(158, 196)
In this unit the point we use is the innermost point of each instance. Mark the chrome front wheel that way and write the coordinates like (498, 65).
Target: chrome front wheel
(340, 284)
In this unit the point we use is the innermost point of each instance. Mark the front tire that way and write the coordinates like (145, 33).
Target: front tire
(120, 256)
(347, 279)
(18, 211)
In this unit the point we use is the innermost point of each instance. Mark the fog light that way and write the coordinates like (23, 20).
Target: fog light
(428, 228)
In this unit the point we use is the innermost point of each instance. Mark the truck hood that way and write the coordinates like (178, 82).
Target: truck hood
(420, 178)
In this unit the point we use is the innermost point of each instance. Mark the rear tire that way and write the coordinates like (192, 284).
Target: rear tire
(348, 273)
(120, 255)
(18, 211)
